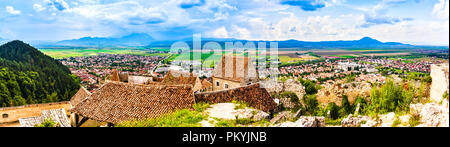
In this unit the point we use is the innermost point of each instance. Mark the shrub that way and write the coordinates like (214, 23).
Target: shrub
(332, 122)
(414, 120)
(239, 105)
(47, 123)
(333, 109)
(347, 108)
(311, 103)
(391, 97)
(201, 106)
(291, 95)
(310, 87)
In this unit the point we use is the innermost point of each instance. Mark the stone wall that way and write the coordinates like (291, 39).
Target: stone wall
(253, 95)
(9, 116)
(440, 85)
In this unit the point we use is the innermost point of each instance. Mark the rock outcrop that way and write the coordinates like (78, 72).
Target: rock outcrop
(431, 114)
(304, 121)
(334, 92)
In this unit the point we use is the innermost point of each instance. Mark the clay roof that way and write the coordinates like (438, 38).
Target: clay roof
(177, 78)
(235, 68)
(57, 115)
(115, 102)
(79, 96)
(114, 75)
(206, 84)
(254, 95)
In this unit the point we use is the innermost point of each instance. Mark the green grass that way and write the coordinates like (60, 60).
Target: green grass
(65, 53)
(332, 122)
(180, 118)
(239, 105)
(241, 122)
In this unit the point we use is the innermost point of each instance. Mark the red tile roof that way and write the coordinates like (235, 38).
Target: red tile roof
(115, 102)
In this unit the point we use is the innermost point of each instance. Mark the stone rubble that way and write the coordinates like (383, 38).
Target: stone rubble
(304, 121)
(431, 114)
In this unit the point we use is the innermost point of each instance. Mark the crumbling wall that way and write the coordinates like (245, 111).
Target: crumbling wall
(440, 85)
(253, 95)
(13, 114)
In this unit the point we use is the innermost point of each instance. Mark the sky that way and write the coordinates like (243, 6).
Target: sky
(419, 22)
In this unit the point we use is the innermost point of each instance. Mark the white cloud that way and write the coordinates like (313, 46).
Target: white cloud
(11, 10)
(38, 7)
(220, 33)
(441, 9)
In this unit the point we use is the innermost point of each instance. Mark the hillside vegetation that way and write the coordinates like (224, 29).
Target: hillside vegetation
(27, 76)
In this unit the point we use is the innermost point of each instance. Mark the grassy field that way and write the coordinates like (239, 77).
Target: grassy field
(65, 53)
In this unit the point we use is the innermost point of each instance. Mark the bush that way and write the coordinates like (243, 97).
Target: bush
(310, 87)
(239, 105)
(291, 95)
(333, 109)
(201, 106)
(311, 103)
(347, 108)
(47, 123)
(414, 121)
(391, 97)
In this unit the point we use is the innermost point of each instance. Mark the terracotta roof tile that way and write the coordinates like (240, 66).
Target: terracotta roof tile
(115, 102)
(79, 96)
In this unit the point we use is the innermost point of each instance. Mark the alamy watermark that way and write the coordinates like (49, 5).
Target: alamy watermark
(264, 59)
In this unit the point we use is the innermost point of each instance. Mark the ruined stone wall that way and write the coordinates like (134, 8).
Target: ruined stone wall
(253, 95)
(440, 85)
(11, 115)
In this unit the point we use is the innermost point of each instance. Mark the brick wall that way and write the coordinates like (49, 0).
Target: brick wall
(253, 95)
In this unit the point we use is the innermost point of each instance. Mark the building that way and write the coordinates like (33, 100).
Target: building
(232, 72)
(115, 102)
(59, 116)
(440, 81)
(182, 78)
(348, 66)
(9, 116)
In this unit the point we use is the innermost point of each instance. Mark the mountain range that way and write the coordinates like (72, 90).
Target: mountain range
(147, 41)
(135, 39)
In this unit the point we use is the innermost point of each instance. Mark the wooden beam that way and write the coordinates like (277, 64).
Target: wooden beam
(82, 121)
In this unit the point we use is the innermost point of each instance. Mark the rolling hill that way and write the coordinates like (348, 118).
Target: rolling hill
(27, 76)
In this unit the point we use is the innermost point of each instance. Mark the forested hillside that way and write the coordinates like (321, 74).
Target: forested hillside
(27, 76)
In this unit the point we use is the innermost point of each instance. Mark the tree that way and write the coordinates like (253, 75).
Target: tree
(333, 109)
(346, 107)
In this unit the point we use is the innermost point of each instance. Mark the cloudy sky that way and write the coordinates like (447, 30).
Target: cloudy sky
(422, 22)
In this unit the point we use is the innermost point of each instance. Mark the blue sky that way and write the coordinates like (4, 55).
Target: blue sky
(422, 22)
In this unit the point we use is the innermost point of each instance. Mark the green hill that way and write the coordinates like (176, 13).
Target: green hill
(27, 76)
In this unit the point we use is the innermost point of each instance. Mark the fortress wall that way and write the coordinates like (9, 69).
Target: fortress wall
(14, 113)
(440, 85)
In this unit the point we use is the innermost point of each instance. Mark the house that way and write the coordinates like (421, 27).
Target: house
(181, 78)
(232, 72)
(115, 102)
(79, 96)
(59, 116)
(206, 85)
(9, 116)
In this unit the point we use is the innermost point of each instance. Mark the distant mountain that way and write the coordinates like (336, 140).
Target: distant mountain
(27, 76)
(135, 39)
(365, 42)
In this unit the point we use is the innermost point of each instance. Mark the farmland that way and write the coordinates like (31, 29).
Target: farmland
(65, 53)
